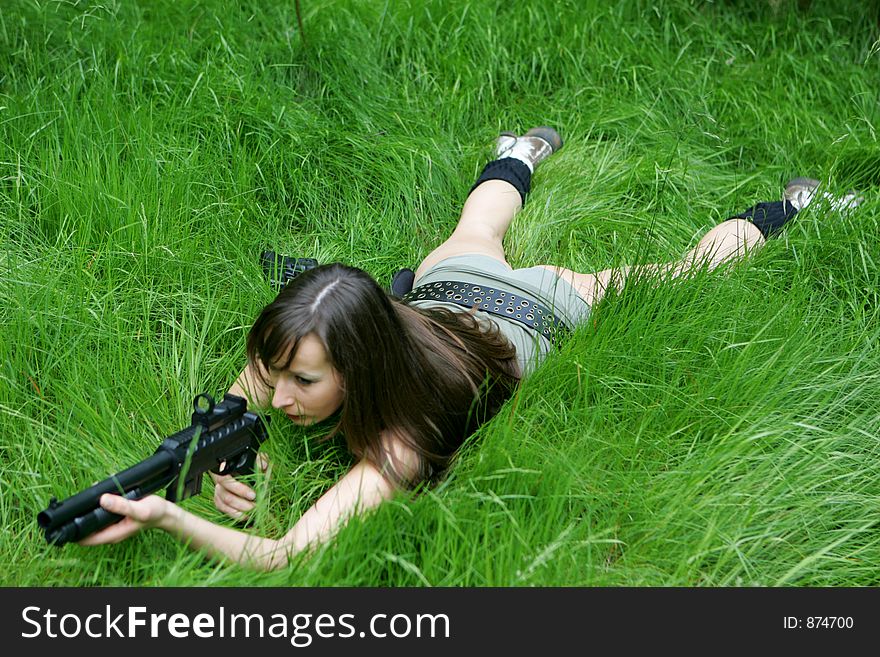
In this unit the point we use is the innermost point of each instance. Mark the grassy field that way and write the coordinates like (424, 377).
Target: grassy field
(718, 432)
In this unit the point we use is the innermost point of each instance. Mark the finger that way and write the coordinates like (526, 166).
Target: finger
(228, 510)
(218, 478)
(112, 534)
(235, 502)
(121, 506)
(238, 489)
(115, 504)
(266, 466)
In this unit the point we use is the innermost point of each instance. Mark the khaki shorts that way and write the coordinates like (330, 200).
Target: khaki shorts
(535, 283)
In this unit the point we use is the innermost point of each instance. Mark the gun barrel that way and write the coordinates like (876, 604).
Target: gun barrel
(87, 524)
(153, 472)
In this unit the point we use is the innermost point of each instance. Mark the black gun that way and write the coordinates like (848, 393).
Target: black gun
(223, 438)
(281, 269)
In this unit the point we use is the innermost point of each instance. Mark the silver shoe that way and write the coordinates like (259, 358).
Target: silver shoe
(531, 148)
(800, 192)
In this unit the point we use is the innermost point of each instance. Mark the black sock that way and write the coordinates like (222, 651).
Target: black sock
(770, 217)
(510, 170)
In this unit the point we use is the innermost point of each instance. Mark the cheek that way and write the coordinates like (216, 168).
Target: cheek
(338, 389)
(334, 397)
(326, 399)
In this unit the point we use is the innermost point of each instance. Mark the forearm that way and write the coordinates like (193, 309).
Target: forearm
(362, 488)
(224, 543)
(249, 386)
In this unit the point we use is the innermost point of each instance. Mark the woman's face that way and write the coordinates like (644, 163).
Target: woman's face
(310, 389)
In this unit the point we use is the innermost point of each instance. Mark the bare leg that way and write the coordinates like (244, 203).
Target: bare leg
(496, 197)
(484, 221)
(727, 242)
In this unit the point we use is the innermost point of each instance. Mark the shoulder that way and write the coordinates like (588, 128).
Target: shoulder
(402, 457)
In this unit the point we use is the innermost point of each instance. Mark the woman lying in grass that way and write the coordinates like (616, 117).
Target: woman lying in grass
(407, 381)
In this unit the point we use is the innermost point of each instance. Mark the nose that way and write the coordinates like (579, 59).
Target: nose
(283, 395)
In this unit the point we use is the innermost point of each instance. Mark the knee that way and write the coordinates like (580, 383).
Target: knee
(744, 231)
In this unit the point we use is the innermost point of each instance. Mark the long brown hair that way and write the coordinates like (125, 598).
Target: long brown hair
(431, 376)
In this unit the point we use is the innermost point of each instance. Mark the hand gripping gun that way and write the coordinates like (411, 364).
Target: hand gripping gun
(223, 438)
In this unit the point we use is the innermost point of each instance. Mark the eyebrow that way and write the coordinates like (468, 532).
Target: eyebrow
(305, 375)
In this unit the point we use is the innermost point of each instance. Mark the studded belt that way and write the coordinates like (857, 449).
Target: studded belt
(495, 302)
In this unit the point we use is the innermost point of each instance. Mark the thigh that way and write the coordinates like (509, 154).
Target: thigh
(485, 218)
(591, 287)
(470, 243)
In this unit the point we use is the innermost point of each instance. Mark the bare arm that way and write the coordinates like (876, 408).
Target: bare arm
(250, 386)
(362, 488)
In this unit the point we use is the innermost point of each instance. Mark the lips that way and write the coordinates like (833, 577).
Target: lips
(295, 418)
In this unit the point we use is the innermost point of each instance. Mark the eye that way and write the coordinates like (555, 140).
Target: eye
(304, 382)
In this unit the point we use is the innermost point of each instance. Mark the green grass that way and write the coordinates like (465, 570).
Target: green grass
(718, 432)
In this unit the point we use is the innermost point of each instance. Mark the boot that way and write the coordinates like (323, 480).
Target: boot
(800, 192)
(531, 148)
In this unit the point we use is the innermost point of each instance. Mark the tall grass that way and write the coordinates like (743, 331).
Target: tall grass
(714, 432)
